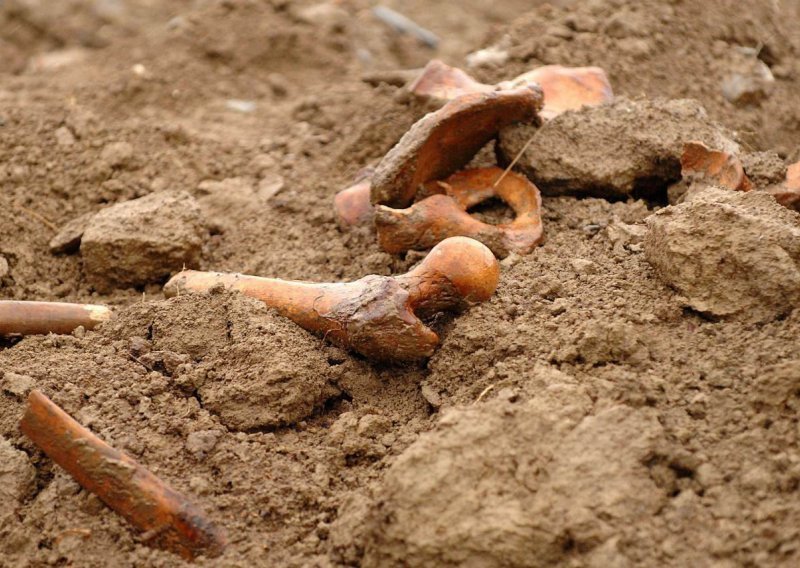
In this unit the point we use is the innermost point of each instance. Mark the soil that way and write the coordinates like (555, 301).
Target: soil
(591, 413)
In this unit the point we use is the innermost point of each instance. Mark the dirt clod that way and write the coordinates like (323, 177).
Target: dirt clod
(629, 146)
(730, 254)
(143, 240)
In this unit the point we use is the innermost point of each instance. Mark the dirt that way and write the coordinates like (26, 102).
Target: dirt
(586, 415)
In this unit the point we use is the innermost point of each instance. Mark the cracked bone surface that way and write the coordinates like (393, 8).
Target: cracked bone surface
(376, 316)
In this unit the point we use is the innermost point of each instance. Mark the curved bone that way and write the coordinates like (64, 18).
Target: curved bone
(438, 217)
(444, 141)
(376, 316)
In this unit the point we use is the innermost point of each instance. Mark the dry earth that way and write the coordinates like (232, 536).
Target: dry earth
(620, 401)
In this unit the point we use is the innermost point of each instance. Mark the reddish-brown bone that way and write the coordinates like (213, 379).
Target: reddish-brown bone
(699, 162)
(443, 82)
(788, 192)
(566, 88)
(122, 483)
(440, 216)
(444, 141)
(376, 316)
(36, 318)
(352, 205)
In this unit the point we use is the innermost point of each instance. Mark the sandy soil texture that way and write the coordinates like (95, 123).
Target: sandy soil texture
(629, 396)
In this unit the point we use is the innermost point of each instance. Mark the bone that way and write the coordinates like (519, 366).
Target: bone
(564, 88)
(438, 217)
(442, 82)
(123, 484)
(444, 141)
(352, 205)
(376, 316)
(38, 318)
(788, 192)
(717, 167)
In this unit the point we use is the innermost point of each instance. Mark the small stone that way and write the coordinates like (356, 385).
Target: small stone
(373, 426)
(117, 154)
(200, 443)
(240, 105)
(491, 56)
(583, 266)
(143, 240)
(17, 384)
(270, 185)
(431, 395)
(4, 268)
(64, 136)
(198, 485)
(749, 84)
(68, 238)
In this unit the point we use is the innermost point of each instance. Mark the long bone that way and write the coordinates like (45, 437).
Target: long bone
(377, 316)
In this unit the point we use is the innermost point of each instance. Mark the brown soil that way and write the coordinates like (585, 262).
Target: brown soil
(589, 414)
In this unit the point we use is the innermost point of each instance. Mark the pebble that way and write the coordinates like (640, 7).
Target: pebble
(200, 443)
(4, 268)
(64, 136)
(750, 84)
(117, 154)
(240, 105)
(583, 266)
(17, 384)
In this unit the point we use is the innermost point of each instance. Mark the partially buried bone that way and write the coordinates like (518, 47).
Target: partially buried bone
(437, 217)
(37, 318)
(701, 163)
(444, 141)
(377, 316)
(725, 170)
(169, 518)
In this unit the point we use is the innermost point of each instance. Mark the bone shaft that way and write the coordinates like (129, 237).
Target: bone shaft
(304, 303)
(31, 318)
(124, 485)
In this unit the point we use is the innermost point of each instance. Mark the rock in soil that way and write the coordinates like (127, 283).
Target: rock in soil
(731, 254)
(630, 146)
(143, 240)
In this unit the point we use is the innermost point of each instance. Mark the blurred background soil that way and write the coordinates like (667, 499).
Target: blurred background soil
(308, 455)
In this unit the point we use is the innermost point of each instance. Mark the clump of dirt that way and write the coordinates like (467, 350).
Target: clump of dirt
(628, 147)
(709, 239)
(584, 402)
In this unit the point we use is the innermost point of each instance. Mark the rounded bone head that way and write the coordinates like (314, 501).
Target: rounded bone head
(467, 264)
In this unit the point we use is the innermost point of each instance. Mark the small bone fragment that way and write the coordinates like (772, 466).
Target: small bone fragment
(37, 318)
(788, 192)
(375, 315)
(444, 141)
(166, 516)
(437, 217)
(443, 82)
(716, 167)
(352, 205)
